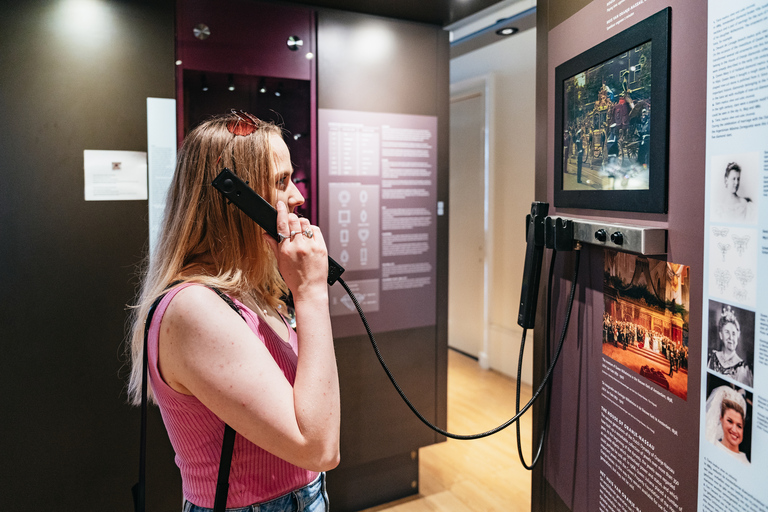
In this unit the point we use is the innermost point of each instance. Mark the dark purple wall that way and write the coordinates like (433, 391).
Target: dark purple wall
(567, 478)
(245, 37)
(247, 44)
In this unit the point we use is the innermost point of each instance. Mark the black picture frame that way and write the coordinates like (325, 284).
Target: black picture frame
(625, 163)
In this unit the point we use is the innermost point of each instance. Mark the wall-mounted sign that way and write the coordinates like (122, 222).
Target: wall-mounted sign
(115, 175)
(644, 377)
(377, 192)
(733, 440)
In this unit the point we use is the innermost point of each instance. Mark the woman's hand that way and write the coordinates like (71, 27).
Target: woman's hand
(302, 256)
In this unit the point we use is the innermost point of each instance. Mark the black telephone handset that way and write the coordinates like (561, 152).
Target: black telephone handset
(535, 235)
(255, 207)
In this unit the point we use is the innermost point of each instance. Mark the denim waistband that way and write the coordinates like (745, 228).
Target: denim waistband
(300, 500)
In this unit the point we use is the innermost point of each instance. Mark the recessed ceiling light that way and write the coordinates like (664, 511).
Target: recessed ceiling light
(507, 31)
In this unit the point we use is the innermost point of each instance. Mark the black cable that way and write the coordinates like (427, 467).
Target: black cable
(417, 413)
(520, 372)
(547, 358)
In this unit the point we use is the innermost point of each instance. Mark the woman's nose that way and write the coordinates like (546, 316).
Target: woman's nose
(295, 198)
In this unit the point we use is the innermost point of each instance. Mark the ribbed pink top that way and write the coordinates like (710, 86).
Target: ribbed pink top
(196, 433)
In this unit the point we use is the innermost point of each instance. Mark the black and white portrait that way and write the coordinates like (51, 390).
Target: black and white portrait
(731, 342)
(735, 185)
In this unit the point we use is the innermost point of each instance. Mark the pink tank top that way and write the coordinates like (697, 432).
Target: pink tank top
(196, 433)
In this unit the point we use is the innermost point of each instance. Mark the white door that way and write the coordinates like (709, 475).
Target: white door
(466, 247)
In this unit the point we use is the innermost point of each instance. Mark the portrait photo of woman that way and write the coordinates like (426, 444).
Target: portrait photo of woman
(731, 342)
(727, 418)
(734, 185)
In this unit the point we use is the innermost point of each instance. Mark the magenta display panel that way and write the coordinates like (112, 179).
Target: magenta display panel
(377, 194)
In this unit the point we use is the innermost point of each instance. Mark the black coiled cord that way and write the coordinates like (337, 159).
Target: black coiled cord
(518, 413)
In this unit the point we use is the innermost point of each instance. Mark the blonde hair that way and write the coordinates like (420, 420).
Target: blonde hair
(199, 223)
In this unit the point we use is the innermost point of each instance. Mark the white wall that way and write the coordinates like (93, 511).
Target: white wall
(511, 64)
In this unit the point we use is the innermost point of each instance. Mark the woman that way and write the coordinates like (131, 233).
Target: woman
(277, 388)
(726, 361)
(733, 207)
(732, 423)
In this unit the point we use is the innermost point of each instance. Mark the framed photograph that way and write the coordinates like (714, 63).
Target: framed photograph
(611, 106)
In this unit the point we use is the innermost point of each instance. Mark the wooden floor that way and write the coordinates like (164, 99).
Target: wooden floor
(483, 475)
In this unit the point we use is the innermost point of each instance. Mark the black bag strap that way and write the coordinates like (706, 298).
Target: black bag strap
(227, 446)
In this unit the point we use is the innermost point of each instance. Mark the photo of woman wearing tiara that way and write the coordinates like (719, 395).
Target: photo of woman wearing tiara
(731, 342)
(727, 418)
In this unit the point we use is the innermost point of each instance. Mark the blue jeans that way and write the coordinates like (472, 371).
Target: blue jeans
(310, 498)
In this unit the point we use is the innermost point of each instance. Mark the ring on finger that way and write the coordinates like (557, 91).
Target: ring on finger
(294, 233)
(281, 237)
(308, 233)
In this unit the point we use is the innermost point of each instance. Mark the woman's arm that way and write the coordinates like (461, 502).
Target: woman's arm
(206, 350)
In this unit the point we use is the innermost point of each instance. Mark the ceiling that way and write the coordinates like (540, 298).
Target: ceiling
(435, 12)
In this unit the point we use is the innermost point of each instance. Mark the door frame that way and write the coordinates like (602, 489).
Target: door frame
(485, 85)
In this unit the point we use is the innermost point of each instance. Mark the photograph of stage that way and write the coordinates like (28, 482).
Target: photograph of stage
(645, 323)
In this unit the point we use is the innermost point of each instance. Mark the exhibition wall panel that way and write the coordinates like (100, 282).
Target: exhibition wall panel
(383, 95)
(586, 427)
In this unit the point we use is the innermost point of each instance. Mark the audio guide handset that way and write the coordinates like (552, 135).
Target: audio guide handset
(534, 253)
(255, 207)
(259, 210)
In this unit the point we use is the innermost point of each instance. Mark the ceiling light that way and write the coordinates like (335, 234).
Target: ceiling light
(85, 20)
(506, 31)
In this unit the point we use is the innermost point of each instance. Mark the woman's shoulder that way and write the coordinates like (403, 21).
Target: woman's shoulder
(195, 305)
(190, 295)
(713, 361)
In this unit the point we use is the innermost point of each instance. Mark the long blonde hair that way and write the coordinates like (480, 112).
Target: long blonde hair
(199, 226)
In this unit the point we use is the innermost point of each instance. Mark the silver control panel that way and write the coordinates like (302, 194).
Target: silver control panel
(649, 241)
